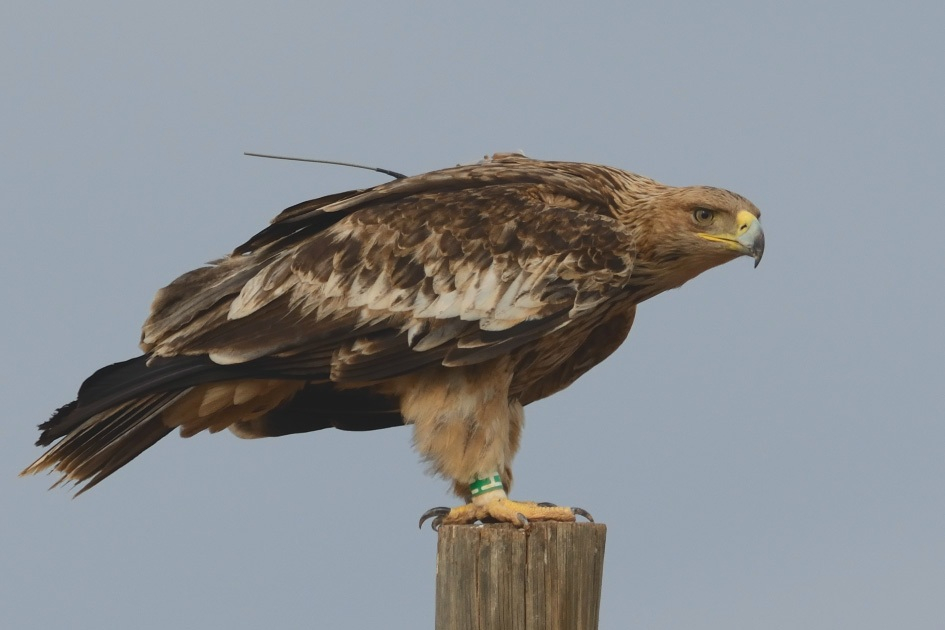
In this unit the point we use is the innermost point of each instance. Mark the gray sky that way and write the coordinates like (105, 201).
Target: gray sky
(768, 449)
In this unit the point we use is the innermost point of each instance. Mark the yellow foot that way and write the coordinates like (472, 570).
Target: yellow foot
(519, 513)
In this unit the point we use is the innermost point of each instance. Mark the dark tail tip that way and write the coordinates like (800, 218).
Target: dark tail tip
(57, 426)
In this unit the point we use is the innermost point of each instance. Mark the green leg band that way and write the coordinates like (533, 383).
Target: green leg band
(489, 483)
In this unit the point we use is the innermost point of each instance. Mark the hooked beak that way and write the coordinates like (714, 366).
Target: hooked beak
(748, 240)
(751, 237)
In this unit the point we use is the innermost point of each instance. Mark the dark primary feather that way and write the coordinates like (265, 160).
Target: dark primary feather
(120, 410)
(114, 384)
(297, 222)
(322, 406)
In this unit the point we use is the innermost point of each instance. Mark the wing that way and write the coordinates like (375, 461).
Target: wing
(449, 268)
(438, 276)
(601, 341)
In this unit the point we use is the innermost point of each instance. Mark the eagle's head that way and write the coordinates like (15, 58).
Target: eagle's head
(682, 232)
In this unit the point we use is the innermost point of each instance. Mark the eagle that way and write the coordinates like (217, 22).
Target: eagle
(447, 301)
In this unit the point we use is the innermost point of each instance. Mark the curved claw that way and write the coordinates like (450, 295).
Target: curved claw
(526, 525)
(582, 512)
(547, 504)
(436, 514)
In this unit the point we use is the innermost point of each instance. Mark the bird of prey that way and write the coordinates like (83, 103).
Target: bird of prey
(447, 301)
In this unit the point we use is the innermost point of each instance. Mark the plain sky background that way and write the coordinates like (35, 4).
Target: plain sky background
(767, 449)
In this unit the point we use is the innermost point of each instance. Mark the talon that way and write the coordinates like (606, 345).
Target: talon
(438, 512)
(547, 504)
(502, 510)
(582, 512)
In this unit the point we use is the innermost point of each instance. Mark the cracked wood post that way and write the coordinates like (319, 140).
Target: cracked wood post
(498, 577)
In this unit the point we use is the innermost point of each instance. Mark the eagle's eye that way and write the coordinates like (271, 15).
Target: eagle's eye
(703, 216)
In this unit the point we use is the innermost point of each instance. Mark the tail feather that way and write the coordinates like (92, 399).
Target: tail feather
(105, 442)
(55, 427)
(116, 416)
(123, 409)
(135, 440)
(103, 436)
(98, 431)
(116, 384)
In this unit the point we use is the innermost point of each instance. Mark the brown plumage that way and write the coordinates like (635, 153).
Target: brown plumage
(448, 300)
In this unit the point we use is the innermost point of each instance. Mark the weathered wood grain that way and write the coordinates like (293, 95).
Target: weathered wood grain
(500, 577)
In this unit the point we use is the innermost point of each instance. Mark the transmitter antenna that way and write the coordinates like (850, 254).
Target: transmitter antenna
(376, 169)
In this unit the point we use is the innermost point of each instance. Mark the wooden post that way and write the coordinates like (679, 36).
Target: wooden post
(499, 577)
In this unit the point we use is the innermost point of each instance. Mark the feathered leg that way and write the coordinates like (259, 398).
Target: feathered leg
(468, 429)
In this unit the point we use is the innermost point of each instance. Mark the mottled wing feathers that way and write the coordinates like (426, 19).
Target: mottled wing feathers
(454, 277)
(589, 183)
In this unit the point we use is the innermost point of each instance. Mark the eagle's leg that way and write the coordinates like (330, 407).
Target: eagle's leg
(490, 504)
(467, 426)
